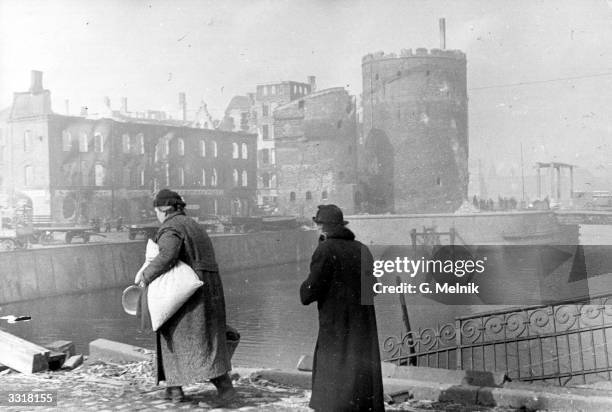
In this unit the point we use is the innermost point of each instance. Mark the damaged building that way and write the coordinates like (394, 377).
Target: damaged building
(75, 168)
(316, 152)
(254, 113)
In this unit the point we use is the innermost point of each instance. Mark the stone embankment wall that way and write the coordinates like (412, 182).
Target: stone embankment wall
(537, 227)
(36, 273)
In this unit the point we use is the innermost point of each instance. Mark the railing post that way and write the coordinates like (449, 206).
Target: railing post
(459, 351)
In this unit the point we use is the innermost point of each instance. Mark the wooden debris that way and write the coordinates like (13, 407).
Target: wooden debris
(56, 360)
(21, 355)
(104, 381)
(63, 346)
(73, 362)
(398, 397)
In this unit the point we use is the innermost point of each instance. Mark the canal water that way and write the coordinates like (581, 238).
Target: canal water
(262, 304)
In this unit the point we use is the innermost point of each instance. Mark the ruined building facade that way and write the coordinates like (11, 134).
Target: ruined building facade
(414, 152)
(76, 168)
(266, 99)
(316, 149)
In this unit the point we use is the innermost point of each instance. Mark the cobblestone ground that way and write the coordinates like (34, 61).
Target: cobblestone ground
(130, 387)
(111, 387)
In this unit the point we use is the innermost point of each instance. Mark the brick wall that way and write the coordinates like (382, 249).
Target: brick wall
(419, 103)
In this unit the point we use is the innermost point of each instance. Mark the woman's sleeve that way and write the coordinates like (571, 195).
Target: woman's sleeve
(317, 283)
(169, 242)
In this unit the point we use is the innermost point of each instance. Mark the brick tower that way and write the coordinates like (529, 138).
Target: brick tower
(415, 127)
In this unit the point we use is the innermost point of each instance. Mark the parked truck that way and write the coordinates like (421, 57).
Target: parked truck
(15, 230)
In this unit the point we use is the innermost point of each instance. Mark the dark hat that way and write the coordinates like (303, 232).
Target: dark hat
(167, 197)
(329, 214)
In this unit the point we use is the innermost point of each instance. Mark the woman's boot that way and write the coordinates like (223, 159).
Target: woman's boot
(225, 388)
(174, 393)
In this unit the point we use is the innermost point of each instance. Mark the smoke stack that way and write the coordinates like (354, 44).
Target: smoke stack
(124, 105)
(107, 102)
(67, 104)
(442, 33)
(83, 110)
(312, 81)
(183, 106)
(36, 81)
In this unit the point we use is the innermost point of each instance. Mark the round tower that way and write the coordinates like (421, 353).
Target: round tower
(415, 124)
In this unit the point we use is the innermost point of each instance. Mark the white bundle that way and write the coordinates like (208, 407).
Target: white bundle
(168, 292)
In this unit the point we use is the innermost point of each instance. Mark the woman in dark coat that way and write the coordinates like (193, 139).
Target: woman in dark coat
(191, 345)
(346, 373)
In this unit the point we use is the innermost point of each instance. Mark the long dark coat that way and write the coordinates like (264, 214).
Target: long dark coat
(191, 345)
(346, 373)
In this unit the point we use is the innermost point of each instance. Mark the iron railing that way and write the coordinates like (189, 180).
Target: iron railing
(564, 342)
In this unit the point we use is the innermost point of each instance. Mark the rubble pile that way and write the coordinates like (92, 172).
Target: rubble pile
(128, 372)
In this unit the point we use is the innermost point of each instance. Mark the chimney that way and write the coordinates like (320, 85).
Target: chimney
(442, 33)
(312, 81)
(83, 110)
(124, 105)
(107, 102)
(67, 103)
(36, 81)
(183, 106)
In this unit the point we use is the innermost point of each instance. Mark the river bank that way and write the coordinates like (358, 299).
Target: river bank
(101, 386)
(37, 273)
(120, 377)
(104, 386)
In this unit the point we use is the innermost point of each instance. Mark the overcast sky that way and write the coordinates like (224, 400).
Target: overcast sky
(150, 51)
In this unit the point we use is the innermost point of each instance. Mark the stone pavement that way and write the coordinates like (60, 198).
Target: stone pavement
(112, 387)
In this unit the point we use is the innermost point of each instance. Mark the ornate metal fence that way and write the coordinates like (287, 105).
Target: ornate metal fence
(565, 342)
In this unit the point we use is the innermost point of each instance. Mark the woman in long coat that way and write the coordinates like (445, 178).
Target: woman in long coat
(346, 372)
(191, 345)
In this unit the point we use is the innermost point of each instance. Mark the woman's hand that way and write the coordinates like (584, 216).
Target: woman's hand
(139, 280)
